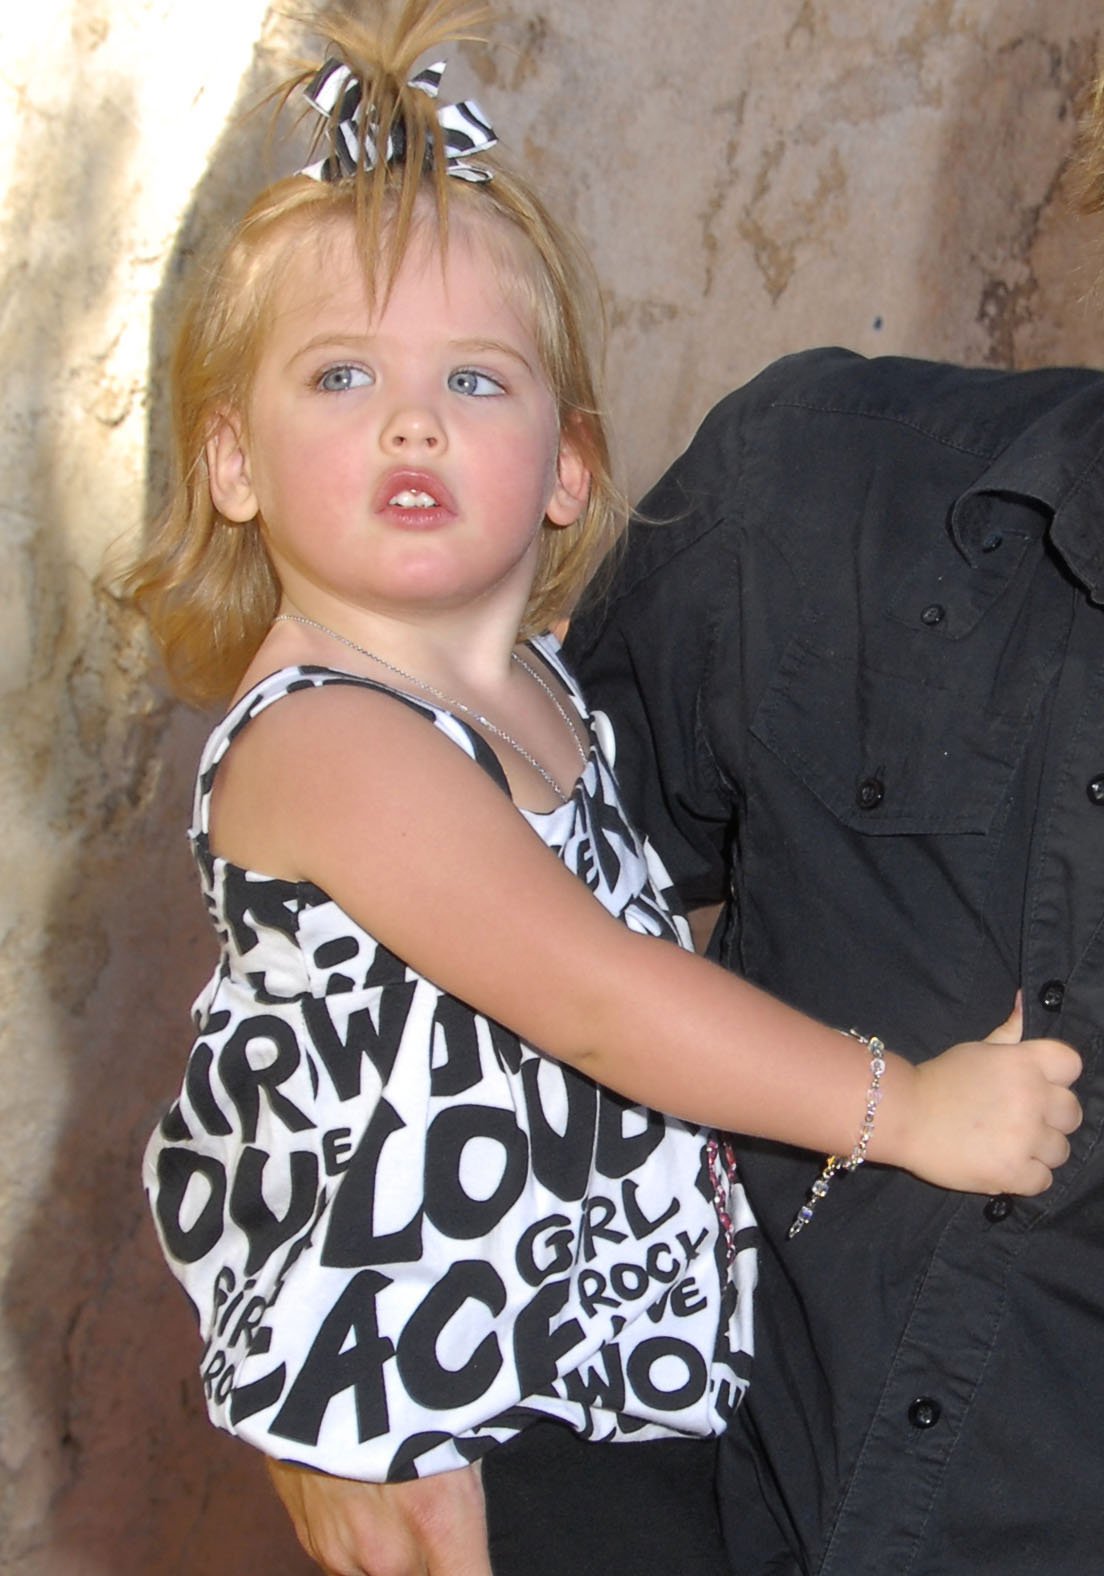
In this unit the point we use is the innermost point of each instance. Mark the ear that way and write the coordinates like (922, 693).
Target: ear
(572, 489)
(228, 470)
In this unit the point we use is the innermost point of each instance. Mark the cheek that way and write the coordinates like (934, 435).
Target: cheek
(518, 503)
(528, 481)
(312, 476)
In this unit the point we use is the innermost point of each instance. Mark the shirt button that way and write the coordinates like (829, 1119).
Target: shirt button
(924, 1412)
(1051, 995)
(992, 542)
(870, 793)
(934, 613)
(1095, 790)
(998, 1209)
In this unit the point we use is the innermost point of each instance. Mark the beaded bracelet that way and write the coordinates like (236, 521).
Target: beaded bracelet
(855, 1159)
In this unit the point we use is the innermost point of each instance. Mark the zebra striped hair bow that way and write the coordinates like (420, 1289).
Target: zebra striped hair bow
(336, 93)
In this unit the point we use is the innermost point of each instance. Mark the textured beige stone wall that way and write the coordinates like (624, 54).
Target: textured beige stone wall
(878, 173)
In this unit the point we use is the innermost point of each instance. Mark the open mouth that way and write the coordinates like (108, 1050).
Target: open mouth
(409, 498)
(415, 497)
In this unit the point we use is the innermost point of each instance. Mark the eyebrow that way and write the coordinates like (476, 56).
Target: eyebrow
(475, 347)
(354, 339)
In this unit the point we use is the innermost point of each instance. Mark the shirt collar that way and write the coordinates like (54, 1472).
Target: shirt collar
(1056, 470)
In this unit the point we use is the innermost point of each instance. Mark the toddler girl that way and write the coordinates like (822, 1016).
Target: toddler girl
(415, 1182)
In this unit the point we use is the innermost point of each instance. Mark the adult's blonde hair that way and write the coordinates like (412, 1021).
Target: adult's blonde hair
(205, 584)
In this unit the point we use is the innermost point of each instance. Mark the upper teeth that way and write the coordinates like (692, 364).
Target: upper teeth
(409, 499)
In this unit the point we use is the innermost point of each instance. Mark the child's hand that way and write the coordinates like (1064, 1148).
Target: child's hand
(433, 1526)
(991, 1116)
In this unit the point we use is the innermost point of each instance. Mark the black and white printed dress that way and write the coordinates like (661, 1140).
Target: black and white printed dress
(406, 1233)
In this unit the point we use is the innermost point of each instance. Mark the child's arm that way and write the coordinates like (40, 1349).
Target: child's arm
(356, 793)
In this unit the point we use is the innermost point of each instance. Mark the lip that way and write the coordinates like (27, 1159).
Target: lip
(414, 481)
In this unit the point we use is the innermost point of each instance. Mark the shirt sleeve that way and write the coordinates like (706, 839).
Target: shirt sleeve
(645, 647)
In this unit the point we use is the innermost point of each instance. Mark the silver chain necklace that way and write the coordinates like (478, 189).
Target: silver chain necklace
(451, 701)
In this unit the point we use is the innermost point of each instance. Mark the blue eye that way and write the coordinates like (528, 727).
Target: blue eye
(465, 380)
(336, 380)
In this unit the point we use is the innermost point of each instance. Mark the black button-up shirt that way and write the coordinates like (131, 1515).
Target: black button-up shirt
(857, 676)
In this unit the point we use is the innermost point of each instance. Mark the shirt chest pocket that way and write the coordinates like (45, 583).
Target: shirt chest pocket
(891, 738)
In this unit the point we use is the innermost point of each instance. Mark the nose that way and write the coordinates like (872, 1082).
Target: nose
(413, 427)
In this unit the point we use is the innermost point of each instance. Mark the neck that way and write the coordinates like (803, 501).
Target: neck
(468, 705)
(460, 650)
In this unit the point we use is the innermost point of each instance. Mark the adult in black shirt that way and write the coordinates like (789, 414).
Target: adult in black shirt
(857, 679)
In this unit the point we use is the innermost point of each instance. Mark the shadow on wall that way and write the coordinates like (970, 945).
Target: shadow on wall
(129, 1477)
(1006, 268)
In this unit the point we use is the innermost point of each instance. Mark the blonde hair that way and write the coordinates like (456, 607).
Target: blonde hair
(205, 584)
(1086, 175)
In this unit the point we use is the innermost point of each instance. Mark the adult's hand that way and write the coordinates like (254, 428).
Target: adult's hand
(434, 1526)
